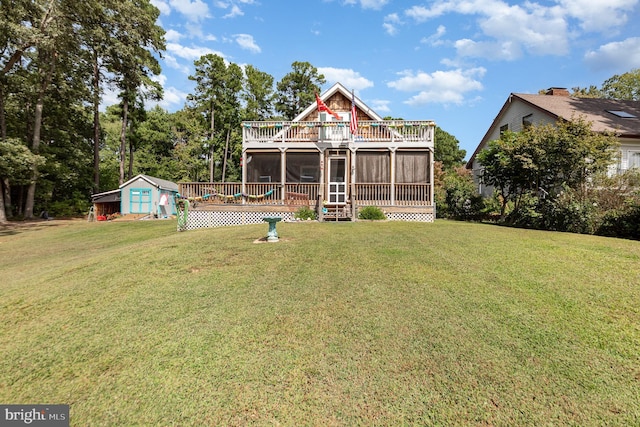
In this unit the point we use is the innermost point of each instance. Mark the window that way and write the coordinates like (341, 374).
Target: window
(527, 120)
(622, 114)
(634, 159)
(504, 128)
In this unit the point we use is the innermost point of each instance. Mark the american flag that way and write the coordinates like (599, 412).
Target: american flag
(353, 124)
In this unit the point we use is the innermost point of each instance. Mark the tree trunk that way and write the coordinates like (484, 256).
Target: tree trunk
(3, 122)
(37, 127)
(130, 172)
(226, 150)
(35, 148)
(123, 137)
(8, 207)
(96, 124)
(3, 216)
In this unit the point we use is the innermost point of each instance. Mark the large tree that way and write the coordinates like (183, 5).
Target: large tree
(624, 86)
(217, 95)
(131, 58)
(545, 159)
(447, 150)
(258, 94)
(297, 89)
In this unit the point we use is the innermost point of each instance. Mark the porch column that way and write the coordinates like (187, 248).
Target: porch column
(431, 183)
(283, 172)
(353, 183)
(393, 175)
(244, 173)
(322, 174)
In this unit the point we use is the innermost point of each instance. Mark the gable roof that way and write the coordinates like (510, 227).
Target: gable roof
(337, 88)
(564, 107)
(159, 183)
(595, 110)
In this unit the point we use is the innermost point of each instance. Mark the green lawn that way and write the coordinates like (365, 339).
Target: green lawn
(368, 323)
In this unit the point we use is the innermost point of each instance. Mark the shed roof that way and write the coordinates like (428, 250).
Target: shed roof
(106, 197)
(159, 183)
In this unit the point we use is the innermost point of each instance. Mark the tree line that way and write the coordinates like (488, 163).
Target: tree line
(57, 147)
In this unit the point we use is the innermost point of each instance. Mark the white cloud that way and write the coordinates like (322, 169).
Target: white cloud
(162, 6)
(623, 55)
(172, 98)
(391, 23)
(172, 62)
(235, 11)
(373, 4)
(368, 4)
(598, 15)
(538, 28)
(173, 36)
(195, 10)
(189, 53)
(349, 78)
(247, 42)
(506, 50)
(436, 38)
(443, 87)
(380, 106)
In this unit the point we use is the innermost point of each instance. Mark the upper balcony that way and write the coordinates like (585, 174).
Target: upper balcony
(391, 132)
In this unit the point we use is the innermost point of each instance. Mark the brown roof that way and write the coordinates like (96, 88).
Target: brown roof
(561, 106)
(594, 110)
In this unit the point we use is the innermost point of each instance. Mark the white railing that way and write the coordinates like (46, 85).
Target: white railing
(368, 131)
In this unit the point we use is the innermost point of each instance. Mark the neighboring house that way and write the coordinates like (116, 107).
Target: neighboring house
(520, 110)
(315, 160)
(146, 194)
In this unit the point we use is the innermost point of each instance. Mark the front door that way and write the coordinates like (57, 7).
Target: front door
(337, 180)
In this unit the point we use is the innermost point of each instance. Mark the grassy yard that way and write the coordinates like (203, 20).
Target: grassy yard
(337, 324)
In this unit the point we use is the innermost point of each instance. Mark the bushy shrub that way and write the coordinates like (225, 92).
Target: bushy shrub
(526, 214)
(371, 212)
(461, 198)
(623, 223)
(305, 213)
(568, 212)
(68, 208)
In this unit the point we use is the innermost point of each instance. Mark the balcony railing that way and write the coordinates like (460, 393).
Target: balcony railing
(390, 131)
(366, 194)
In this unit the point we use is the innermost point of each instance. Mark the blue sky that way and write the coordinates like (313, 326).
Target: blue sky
(452, 61)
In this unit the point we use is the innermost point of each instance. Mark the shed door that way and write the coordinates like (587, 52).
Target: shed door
(140, 200)
(337, 180)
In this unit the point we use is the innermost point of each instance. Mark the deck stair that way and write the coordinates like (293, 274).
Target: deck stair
(337, 213)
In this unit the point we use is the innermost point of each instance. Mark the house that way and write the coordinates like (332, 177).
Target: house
(316, 160)
(141, 195)
(520, 110)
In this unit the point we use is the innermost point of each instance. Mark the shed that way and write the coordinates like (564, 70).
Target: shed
(106, 203)
(144, 194)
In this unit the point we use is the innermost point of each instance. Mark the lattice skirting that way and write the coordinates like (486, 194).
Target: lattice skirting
(410, 216)
(208, 219)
